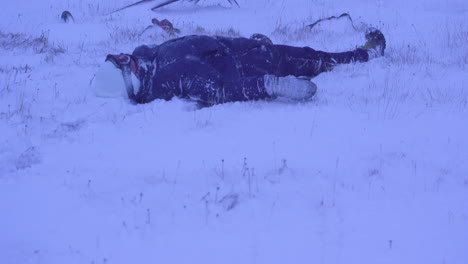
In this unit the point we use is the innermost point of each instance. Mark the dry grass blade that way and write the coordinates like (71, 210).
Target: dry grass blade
(130, 5)
(235, 1)
(164, 3)
(330, 18)
(168, 2)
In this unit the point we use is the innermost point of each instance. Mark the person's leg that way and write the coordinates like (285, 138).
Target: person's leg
(309, 62)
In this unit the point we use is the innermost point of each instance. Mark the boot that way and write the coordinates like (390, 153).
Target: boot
(375, 44)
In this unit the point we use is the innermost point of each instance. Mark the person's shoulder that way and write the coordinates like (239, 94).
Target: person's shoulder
(189, 45)
(146, 51)
(239, 43)
(189, 39)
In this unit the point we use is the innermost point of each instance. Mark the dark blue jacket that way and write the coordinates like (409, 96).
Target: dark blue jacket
(214, 70)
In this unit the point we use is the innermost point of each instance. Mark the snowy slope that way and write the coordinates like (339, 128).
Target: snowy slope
(373, 170)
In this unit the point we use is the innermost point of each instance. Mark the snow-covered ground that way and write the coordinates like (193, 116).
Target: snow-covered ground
(373, 170)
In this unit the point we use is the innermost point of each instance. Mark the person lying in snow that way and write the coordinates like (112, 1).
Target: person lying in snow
(215, 70)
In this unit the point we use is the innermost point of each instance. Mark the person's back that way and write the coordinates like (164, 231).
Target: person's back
(215, 68)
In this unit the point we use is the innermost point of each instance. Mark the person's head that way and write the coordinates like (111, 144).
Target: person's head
(123, 60)
(117, 77)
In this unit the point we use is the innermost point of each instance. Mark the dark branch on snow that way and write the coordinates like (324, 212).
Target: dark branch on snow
(164, 3)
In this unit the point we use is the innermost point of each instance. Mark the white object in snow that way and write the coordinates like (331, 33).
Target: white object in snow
(289, 87)
(109, 82)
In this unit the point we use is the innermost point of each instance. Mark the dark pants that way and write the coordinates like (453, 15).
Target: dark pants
(309, 62)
